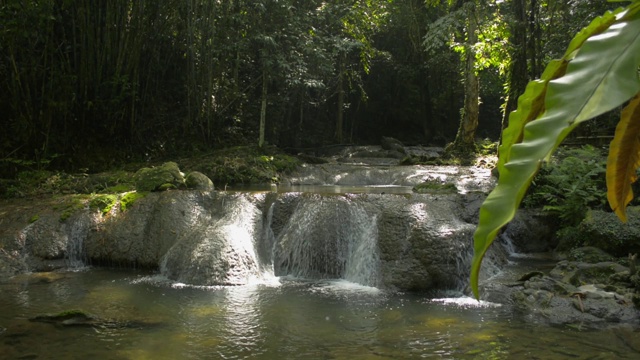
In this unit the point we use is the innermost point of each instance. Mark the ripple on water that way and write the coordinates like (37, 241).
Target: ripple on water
(296, 319)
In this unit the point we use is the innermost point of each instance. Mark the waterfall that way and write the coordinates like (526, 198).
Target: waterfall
(219, 249)
(76, 231)
(329, 237)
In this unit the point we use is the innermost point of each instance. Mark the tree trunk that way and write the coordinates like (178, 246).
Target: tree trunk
(340, 117)
(518, 73)
(465, 139)
(263, 108)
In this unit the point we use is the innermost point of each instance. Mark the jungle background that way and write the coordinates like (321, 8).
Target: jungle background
(92, 84)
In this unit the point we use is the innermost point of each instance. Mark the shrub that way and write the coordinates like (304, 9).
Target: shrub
(570, 184)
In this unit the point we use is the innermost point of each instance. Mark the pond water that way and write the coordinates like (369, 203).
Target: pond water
(148, 317)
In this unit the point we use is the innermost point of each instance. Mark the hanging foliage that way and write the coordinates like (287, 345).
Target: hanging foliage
(597, 74)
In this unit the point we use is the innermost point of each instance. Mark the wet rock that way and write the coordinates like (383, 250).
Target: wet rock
(79, 318)
(143, 234)
(219, 248)
(67, 318)
(389, 143)
(529, 232)
(577, 293)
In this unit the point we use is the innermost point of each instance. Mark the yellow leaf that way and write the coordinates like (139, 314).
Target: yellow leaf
(624, 159)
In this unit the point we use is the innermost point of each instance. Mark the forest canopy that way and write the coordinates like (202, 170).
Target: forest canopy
(90, 83)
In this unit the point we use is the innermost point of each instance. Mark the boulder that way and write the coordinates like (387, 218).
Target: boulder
(605, 231)
(218, 249)
(579, 293)
(530, 232)
(159, 178)
(196, 180)
(389, 143)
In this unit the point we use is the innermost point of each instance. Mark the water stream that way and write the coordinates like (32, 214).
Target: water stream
(314, 290)
(278, 319)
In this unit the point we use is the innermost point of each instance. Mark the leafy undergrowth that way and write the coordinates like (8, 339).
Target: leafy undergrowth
(238, 165)
(242, 165)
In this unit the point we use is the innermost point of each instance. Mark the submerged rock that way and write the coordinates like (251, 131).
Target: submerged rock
(79, 318)
(67, 318)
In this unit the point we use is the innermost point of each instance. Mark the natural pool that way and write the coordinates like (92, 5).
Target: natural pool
(151, 318)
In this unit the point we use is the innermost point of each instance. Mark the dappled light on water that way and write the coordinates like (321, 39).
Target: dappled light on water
(146, 316)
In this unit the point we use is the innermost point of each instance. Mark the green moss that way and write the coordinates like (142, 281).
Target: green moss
(153, 179)
(103, 202)
(130, 198)
(167, 186)
(69, 314)
(435, 186)
(71, 205)
(285, 163)
(243, 165)
(34, 218)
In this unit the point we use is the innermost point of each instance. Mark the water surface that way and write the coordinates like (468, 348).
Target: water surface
(148, 317)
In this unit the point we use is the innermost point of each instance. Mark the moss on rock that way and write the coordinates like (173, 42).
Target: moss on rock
(157, 178)
(605, 231)
(104, 203)
(130, 198)
(198, 181)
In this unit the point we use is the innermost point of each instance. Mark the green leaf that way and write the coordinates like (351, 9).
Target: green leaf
(600, 75)
(624, 159)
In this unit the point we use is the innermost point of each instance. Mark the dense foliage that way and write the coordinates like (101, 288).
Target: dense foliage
(597, 74)
(91, 83)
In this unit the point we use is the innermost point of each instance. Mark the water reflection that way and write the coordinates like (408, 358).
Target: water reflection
(243, 319)
(149, 317)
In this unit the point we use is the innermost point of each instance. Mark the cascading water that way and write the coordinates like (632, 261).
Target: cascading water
(76, 231)
(220, 248)
(329, 237)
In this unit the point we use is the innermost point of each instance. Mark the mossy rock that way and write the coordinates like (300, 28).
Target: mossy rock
(198, 181)
(589, 254)
(71, 205)
(159, 178)
(104, 203)
(67, 318)
(130, 198)
(605, 231)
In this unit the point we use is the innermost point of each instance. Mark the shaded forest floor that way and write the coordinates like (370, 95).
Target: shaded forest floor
(229, 166)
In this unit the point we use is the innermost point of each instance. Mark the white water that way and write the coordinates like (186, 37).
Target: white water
(76, 231)
(330, 238)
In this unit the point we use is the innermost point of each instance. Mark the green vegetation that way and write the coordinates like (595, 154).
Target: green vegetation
(569, 184)
(71, 205)
(598, 73)
(83, 96)
(129, 199)
(104, 203)
(69, 314)
(243, 165)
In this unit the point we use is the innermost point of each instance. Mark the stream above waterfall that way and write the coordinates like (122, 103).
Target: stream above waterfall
(148, 317)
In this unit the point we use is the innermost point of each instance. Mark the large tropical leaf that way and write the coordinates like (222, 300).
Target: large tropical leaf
(600, 75)
(531, 103)
(624, 159)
